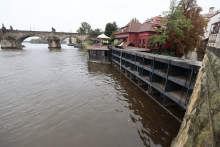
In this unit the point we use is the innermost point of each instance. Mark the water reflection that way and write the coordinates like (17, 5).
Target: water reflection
(58, 98)
(153, 124)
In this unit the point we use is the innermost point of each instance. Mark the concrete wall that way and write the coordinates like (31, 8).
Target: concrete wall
(201, 124)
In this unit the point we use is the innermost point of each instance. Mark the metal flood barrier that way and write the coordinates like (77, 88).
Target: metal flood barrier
(173, 79)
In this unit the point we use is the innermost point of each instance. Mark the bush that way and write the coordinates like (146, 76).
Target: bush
(166, 53)
(88, 43)
(115, 44)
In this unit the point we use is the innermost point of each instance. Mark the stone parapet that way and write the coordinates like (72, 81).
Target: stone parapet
(201, 124)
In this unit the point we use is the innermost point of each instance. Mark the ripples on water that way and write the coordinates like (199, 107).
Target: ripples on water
(53, 98)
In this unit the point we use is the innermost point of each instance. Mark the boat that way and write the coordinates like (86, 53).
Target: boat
(71, 44)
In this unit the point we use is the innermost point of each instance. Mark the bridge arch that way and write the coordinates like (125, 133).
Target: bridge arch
(63, 38)
(22, 38)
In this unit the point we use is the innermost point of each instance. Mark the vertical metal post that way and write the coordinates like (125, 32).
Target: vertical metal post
(152, 70)
(189, 83)
(167, 76)
(120, 60)
(142, 66)
(135, 66)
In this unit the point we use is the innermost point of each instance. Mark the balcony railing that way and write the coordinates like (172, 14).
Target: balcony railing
(215, 32)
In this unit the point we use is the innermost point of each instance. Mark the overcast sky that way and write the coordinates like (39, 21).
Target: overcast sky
(66, 15)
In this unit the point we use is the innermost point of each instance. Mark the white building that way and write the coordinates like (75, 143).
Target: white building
(212, 16)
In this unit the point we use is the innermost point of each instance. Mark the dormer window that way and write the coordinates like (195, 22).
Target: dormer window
(122, 30)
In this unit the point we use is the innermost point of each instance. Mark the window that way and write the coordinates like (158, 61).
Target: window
(122, 30)
(134, 42)
(139, 42)
(144, 42)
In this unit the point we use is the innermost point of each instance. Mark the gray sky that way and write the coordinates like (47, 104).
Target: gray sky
(64, 15)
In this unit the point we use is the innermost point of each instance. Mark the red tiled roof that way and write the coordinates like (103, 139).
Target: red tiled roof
(130, 27)
(146, 27)
(96, 47)
(156, 20)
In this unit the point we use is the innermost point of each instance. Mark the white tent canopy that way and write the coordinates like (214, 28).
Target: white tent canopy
(103, 36)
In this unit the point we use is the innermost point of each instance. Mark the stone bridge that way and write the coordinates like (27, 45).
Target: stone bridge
(12, 39)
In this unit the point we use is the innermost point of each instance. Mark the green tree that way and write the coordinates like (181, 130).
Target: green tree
(113, 36)
(84, 26)
(78, 41)
(110, 28)
(95, 33)
(134, 19)
(192, 38)
(70, 40)
(176, 23)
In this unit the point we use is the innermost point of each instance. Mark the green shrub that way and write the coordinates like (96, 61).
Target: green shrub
(166, 53)
(88, 43)
(115, 44)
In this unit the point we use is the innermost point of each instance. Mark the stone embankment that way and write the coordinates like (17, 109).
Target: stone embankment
(201, 124)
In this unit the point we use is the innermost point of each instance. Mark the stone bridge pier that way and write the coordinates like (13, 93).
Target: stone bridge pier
(12, 39)
(54, 43)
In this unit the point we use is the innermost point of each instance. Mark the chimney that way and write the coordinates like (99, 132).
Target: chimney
(87, 31)
(211, 10)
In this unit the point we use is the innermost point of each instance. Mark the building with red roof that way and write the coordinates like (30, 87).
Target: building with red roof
(138, 34)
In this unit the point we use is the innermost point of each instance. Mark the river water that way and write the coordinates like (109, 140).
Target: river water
(54, 98)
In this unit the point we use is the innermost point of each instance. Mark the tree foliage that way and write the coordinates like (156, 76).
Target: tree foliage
(185, 26)
(70, 40)
(38, 41)
(84, 26)
(110, 28)
(78, 41)
(113, 35)
(134, 19)
(88, 43)
(193, 37)
(95, 33)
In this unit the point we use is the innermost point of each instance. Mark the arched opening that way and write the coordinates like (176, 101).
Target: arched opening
(70, 42)
(33, 42)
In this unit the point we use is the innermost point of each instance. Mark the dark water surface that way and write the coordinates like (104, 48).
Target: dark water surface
(54, 98)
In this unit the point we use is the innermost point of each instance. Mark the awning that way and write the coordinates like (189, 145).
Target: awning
(103, 36)
(121, 37)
